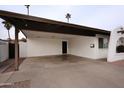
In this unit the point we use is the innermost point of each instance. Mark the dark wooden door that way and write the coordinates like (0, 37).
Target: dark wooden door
(64, 47)
(11, 50)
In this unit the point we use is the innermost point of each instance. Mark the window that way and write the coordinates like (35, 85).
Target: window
(103, 42)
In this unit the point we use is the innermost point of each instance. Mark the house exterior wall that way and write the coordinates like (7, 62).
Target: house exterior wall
(3, 51)
(23, 49)
(101, 53)
(80, 46)
(44, 47)
(112, 55)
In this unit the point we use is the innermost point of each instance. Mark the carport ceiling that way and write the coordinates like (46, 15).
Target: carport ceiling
(25, 22)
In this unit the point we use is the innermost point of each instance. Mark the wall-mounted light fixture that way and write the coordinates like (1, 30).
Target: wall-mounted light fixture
(92, 45)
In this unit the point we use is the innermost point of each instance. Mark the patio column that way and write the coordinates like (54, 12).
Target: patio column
(16, 49)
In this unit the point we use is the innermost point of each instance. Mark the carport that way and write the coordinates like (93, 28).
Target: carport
(23, 23)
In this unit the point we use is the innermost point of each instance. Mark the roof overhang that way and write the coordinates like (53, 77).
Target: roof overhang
(27, 23)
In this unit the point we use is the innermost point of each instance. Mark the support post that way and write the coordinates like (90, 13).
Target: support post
(16, 49)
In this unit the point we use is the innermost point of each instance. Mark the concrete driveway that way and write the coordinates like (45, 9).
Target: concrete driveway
(67, 71)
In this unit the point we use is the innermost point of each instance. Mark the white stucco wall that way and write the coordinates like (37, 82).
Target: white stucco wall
(43, 47)
(23, 49)
(80, 46)
(112, 55)
(101, 53)
(3, 51)
(42, 44)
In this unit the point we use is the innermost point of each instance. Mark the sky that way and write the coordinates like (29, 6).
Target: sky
(107, 17)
